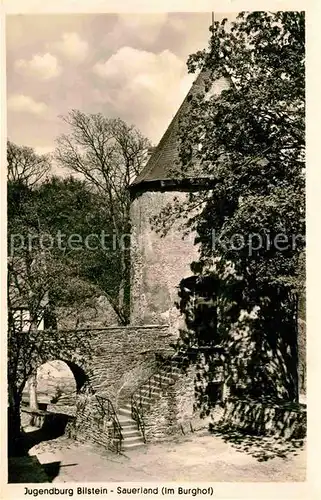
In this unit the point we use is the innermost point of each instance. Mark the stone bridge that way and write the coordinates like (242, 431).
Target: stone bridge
(120, 358)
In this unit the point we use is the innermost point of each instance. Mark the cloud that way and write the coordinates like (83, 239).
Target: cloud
(129, 63)
(72, 47)
(45, 66)
(143, 27)
(143, 87)
(25, 104)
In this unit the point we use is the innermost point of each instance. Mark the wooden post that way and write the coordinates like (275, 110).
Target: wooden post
(224, 390)
(33, 401)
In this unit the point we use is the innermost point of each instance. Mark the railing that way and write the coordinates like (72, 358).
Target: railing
(179, 358)
(166, 368)
(137, 415)
(111, 416)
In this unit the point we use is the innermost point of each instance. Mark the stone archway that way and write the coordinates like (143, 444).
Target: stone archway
(58, 381)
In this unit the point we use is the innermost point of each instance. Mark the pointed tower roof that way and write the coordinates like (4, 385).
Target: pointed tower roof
(162, 171)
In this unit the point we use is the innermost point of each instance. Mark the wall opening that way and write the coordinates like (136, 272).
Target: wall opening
(57, 383)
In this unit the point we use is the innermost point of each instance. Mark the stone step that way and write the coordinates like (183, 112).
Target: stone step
(153, 382)
(146, 402)
(152, 393)
(125, 422)
(146, 398)
(128, 426)
(143, 398)
(133, 439)
(129, 429)
(145, 393)
(132, 446)
(164, 378)
(127, 433)
(125, 412)
(153, 388)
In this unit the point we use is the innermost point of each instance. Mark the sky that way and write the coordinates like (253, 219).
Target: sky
(131, 66)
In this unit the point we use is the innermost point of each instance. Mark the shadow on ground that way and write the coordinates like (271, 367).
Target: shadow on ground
(52, 469)
(23, 468)
(53, 427)
(260, 447)
(28, 469)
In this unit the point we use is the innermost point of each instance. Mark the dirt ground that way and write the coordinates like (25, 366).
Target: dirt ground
(197, 457)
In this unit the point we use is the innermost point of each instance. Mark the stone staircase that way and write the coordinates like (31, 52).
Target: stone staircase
(132, 437)
(147, 394)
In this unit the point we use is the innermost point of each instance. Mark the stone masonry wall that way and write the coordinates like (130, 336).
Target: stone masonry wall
(173, 411)
(158, 264)
(279, 419)
(119, 360)
(124, 355)
(91, 424)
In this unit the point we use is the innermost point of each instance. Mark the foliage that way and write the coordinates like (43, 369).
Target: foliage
(25, 166)
(250, 140)
(52, 226)
(37, 278)
(70, 208)
(108, 154)
(51, 262)
(35, 217)
(32, 279)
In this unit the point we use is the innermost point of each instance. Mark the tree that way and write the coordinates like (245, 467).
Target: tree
(70, 210)
(108, 154)
(37, 276)
(250, 225)
(28, 345)
(25, 166)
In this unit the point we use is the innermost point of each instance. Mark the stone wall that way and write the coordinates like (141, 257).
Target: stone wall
(119, 359)
(173, 411)
(125, 356)
(158, 264)
(91, 424)
(262, 418)
(52, 423)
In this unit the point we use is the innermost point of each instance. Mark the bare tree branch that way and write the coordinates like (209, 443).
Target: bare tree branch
(109, 154)
(25, 166)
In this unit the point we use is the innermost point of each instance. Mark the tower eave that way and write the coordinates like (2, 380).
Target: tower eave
(187, 184)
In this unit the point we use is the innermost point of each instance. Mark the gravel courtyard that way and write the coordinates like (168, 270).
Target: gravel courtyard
(200, 456)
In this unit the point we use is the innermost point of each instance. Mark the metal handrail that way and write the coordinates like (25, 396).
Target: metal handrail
(137, 415)
(110, 414)
(167, 363)
(137, 410)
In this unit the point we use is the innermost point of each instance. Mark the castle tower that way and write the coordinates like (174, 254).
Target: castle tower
(160, 263)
